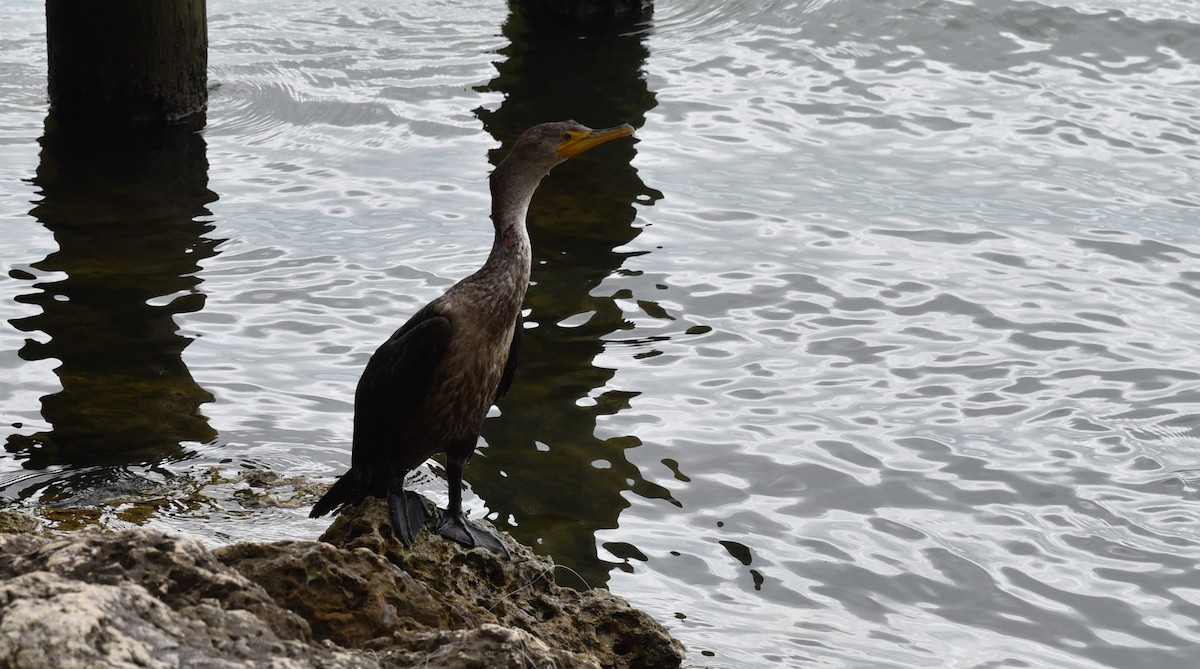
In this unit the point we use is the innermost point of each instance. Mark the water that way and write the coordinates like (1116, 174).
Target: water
(877, 349)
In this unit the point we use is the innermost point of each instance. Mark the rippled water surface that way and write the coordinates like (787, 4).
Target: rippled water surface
(879, 348)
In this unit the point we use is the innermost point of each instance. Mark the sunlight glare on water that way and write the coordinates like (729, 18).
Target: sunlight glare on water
(878, 348)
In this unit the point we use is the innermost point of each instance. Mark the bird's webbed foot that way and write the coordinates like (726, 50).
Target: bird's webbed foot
(458, 528)
(409, 513)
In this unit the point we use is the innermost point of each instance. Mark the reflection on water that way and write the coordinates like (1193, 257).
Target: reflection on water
(123, 208)
(544, 453)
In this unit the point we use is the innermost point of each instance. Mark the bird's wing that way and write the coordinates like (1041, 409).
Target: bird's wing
(396, 379)
(510, 365)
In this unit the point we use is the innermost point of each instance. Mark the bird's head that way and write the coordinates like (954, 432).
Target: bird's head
(574, 139)
(551, 143)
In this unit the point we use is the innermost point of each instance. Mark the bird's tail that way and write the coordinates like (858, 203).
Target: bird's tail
(347, 490)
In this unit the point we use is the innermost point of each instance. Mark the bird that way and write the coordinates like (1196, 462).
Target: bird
(428, 388)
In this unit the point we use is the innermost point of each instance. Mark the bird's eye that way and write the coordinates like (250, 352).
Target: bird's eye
(566, 136)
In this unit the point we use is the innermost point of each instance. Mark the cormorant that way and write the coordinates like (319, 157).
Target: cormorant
(427, 389)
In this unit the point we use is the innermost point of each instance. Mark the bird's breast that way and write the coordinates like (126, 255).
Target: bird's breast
(482, 324)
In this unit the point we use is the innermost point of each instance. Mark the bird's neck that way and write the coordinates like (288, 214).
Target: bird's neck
(512, 190)
(511, 251)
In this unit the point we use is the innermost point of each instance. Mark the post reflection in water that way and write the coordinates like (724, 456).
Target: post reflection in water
(548, 471)
(123, 208)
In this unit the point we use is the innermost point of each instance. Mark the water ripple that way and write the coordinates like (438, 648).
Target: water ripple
(952, 365)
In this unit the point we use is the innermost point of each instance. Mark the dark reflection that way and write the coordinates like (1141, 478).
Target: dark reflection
(548, 471)
(122, 205)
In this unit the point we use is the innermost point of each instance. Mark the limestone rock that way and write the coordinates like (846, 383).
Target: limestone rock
(177, 571)
(486, 647)
(347, 596)
(49, 621)
(142, 598)
(515, 592)
(16, 522)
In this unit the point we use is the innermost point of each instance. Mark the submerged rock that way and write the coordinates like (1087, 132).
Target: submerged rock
(355, 599)
(17, 522)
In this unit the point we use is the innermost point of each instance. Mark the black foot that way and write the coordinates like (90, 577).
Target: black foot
(458, 528)
(409, 514)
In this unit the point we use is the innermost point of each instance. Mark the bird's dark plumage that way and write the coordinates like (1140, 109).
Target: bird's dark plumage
(427, 389)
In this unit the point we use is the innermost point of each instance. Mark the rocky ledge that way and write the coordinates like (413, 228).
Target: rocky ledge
(356, 598)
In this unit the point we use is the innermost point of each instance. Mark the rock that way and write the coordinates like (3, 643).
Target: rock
(487, 647)
(350, 597)
(142, 598)
(178, 572)
(514, 592)
(107, 625)
(12, 521)
(52, 620)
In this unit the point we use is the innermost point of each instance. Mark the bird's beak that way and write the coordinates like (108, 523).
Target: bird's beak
(578, 142)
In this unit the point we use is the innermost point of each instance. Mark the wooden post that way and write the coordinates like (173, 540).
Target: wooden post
(582, 12)
(127, 61)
